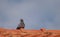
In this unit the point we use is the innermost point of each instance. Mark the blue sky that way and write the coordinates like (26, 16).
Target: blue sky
(36, 13)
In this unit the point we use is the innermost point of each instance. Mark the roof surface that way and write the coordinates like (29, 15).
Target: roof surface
(29, 33)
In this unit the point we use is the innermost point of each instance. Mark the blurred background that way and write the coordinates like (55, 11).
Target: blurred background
(37, 14)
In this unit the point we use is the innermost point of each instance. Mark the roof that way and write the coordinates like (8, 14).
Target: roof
(29, 33)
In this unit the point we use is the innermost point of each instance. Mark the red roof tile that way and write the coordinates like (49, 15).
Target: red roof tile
(29, 33)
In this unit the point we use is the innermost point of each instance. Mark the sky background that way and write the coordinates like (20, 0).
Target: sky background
(37, 14)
